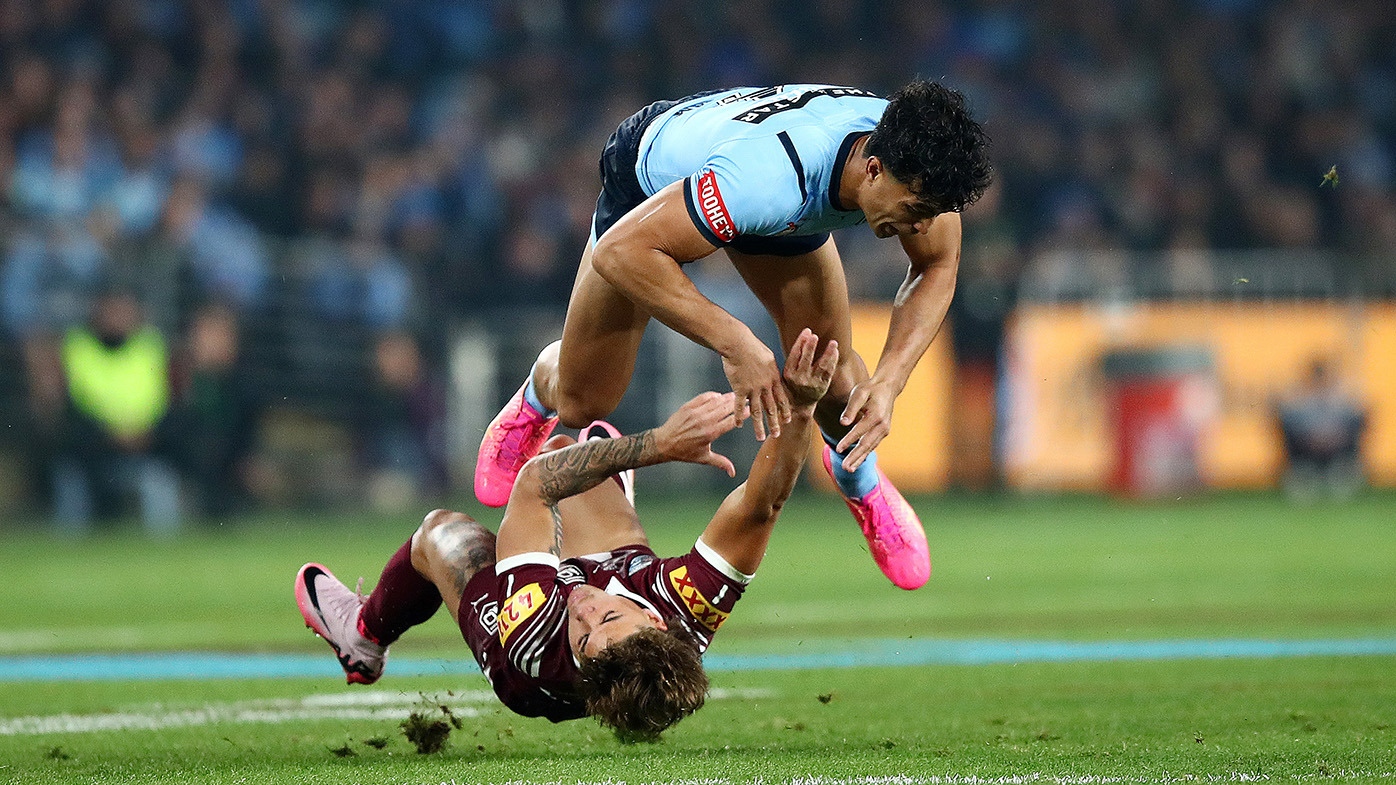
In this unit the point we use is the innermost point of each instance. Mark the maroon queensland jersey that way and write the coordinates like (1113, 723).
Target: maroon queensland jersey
(514, 615)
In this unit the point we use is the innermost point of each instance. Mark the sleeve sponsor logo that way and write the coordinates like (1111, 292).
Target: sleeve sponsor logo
(697, 604)
(711, 206)
(522, 604)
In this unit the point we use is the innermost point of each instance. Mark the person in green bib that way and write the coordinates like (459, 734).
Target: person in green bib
(116, 371)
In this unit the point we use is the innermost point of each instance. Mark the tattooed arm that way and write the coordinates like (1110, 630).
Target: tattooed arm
(532, 522)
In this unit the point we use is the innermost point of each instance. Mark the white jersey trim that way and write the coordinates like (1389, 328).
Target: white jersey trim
(712, 557)
(536, 557)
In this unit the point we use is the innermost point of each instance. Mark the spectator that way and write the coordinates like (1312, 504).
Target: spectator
(402, 426)
(216, 412)
(227, 258)
(1322, 425)
(116, 370)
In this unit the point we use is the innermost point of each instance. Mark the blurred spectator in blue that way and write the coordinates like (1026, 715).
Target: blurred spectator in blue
(215, 416)
(1322, 425)
(402, 426)
(116, 370)
(359, 282)
(228, 259)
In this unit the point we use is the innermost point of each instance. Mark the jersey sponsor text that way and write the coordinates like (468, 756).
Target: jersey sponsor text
(712, 208)
(518, 608)
(697, 604)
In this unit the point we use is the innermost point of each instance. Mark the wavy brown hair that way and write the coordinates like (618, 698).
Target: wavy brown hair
(646, 682)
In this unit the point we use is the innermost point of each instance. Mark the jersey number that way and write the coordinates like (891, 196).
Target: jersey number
(764, 111)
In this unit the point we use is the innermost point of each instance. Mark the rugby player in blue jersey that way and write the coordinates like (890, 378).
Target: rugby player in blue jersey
(765, 174)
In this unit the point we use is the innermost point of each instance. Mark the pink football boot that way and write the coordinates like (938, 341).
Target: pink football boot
(517, 434)
(894, 533)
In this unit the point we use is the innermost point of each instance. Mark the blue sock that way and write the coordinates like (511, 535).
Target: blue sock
(855, 484)
(531, 397)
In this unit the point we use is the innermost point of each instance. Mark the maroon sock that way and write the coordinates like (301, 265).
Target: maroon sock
(401, 600)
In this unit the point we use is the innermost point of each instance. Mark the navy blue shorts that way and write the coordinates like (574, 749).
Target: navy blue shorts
(621, 191)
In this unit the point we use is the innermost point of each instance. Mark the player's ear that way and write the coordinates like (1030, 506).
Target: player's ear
(873, 167)
(654, 617)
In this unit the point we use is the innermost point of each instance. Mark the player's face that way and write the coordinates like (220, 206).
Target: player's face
(890, 206)
(596, 619)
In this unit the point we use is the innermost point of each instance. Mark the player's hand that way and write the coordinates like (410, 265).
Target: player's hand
(689, 433)
(807, 379)
(756, 382)
(869, 411)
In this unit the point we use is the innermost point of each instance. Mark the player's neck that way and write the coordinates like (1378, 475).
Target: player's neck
(851, 180)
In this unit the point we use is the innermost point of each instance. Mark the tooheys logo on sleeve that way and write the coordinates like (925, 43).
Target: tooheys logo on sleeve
(518, 608)
(714, 212)
(697, 604)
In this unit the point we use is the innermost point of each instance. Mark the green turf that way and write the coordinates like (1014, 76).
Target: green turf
(1233, 566)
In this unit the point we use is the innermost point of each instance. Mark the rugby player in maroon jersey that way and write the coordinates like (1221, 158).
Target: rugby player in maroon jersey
(568, 611)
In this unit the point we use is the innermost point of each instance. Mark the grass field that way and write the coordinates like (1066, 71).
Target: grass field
(1232, 567)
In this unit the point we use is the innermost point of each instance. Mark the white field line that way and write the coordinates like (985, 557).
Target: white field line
(332, 706)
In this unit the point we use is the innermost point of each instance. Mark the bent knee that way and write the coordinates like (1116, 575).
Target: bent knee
(442, 532)
(579, 411)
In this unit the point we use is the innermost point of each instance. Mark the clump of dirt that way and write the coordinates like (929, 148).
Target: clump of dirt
(427, 730)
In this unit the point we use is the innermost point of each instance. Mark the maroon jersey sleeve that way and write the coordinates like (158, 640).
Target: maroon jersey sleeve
(532, 615)
(698, 588)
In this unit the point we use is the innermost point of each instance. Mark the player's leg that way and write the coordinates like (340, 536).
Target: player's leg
(809, 290)
(578, 379)
(584, 376)
(409, 591)
(446, 551)
(603, 518)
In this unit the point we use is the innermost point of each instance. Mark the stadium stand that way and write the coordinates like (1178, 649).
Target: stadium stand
(336, 170)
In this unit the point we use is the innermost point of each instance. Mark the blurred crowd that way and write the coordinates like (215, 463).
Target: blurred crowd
(341, 177)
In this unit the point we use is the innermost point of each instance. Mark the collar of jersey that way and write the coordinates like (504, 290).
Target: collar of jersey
(836, 177)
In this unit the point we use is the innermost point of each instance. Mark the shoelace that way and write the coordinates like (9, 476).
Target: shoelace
(339, 605)
(891, 535)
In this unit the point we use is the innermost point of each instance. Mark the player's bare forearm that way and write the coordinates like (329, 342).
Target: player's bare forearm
(581, 467)
(640, 256)
(653, 280)
(922, 300)
(777, 466)
(740, 530)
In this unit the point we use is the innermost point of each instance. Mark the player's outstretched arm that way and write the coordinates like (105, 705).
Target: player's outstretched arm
(640, 256)
(917, 314)
(532, 522)
(742, 526)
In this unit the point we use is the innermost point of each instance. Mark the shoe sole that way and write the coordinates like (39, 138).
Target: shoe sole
(309, 606)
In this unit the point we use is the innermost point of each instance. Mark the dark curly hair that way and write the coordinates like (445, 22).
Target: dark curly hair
(927, 140)
(642, 684)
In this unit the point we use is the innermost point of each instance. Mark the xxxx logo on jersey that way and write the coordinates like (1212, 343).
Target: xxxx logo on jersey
(518, 608)
(698, 605)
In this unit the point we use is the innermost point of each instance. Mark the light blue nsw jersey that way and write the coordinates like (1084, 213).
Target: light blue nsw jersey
(760, 161)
